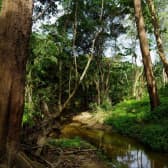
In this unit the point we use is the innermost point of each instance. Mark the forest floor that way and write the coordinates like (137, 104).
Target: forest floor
(84, 157)
(74, 158)
(67, 153)
(70, 157)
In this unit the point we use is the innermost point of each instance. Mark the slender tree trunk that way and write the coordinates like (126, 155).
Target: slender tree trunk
(60, 86)
(69, 83)
(78, 83)
(15, 30)
(164, 77)
(157, 33)
(97, 83)
(151, 84)
(100, 77)
(106, 91)
(137, 76)
(79, 79)
(136, 83)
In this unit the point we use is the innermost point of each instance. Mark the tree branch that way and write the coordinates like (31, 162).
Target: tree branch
(40, 14)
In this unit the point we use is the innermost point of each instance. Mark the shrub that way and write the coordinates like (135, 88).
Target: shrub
(104, 106)
(156, 136)
(93, 106)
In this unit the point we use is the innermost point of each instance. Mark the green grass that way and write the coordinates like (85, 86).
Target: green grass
(133, 118)
(69, 143)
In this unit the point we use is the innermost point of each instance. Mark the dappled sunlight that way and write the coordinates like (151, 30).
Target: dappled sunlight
(93, 118)
(84, 116)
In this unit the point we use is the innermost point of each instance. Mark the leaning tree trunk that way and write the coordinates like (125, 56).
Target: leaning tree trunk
(155, 23)
(15, 29)
(151, 84)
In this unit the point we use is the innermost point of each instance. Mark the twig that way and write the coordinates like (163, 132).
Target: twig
(78, 151)
(59, 159)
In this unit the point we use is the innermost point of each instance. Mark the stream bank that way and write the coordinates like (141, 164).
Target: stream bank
(122, 151)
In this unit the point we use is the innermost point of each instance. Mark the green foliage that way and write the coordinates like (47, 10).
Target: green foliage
(55, 45)
(131, 109)
(93, 106)
(156, 136)
(134, 118)
(41, 69)
(122, 80)
(28, 114)
(105, 106)
(69, 143)
(161, 112)
(164, 90)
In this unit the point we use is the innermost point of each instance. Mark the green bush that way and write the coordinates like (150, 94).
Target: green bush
(106, 105)
(164, 91)
(133, 118)
(160, 112)
(155, 136)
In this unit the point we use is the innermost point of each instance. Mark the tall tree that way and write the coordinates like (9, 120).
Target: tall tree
(15, 30)
(157, 33)
(151, 84)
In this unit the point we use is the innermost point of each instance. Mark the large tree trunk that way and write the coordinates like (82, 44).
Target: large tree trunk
(15, 30)
(157, 33)
(151, 84)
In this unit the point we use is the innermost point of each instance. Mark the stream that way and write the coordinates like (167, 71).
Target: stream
(122, 151)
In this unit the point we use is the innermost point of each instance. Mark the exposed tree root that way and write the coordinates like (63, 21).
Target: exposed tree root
(20, 160)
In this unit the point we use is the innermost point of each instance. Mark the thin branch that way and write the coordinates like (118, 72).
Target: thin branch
(74, 40)
(102, 9)
(35, 18)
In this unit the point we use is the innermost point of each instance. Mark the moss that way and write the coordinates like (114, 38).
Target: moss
(69, 143)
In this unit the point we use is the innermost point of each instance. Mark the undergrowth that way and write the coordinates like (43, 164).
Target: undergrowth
(134, 118)
(104, 106)
(69, 143)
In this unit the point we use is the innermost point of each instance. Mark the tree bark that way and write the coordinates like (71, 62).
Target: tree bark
(97, 83)
(60, 87)
(151, 84)
(155, 23)
(15, 31)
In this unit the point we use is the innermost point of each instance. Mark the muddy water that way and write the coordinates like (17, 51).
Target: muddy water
(122, 151)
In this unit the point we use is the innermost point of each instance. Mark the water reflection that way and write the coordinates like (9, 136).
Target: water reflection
(124, 152)
(135, 159)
